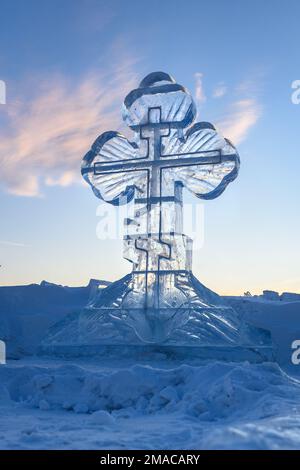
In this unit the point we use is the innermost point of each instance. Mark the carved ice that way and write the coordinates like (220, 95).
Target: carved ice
(166, 154)
(161, 301)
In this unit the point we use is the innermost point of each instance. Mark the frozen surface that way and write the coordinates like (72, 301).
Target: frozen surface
(156, 404)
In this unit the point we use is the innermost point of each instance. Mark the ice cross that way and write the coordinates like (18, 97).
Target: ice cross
(166, 155)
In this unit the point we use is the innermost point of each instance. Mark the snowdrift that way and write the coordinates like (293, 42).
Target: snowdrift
(154, 405)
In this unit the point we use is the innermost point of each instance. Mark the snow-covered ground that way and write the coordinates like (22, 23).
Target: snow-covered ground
(155, 404)
(147, 402)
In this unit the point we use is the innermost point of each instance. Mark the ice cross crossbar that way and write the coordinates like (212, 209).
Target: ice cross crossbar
(165, 161)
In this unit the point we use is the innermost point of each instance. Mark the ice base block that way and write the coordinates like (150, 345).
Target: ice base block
(206, 326)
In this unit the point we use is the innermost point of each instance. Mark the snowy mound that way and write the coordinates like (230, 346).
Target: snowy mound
(164, 405)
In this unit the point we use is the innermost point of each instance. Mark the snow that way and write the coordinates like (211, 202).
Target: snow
(156, 404)
(102, 417)
(145, 401)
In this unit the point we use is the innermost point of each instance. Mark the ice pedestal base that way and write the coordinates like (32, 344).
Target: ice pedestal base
(206, 327)
(188, 354)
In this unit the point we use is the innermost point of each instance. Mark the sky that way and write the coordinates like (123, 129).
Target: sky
(68, 65)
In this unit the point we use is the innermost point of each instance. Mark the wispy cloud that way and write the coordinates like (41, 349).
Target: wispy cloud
(7, 243)
(199, 91)
(242, 115)
(48, 135)
(219, 91)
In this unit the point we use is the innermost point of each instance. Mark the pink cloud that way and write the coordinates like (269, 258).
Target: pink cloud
(48, 135)
(240, 118)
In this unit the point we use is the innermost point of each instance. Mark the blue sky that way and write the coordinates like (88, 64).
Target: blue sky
(68, 65)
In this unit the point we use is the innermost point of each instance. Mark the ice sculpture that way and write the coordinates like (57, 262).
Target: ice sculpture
(167, 153)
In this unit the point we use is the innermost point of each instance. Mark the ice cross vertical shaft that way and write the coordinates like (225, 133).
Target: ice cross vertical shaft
(152, 242)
